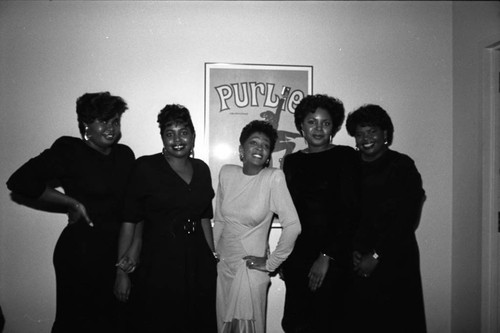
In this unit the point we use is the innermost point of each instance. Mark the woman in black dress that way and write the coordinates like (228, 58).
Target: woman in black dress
(93, 171)
(170, 193)
(388, 290)
(321, 180)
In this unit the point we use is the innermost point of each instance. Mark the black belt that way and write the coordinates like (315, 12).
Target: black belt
(190, 226)
(186, 226)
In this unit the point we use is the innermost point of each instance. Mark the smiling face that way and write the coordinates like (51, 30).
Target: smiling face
(370, 141)
(317, 129)
(178, 141)
(255, 152)
(103, 134)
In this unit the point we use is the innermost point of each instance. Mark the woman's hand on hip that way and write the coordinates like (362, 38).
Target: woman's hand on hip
(76, 212)
(258, 263)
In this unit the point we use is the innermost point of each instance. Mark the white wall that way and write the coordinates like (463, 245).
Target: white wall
(397, 54)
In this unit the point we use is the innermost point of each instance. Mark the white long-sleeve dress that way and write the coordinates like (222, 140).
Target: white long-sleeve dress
(245, 206)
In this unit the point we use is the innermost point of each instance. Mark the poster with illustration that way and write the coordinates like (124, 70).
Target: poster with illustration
(236, 94)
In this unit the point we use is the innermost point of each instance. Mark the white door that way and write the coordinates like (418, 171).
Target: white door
(491, 191)
(495, 99)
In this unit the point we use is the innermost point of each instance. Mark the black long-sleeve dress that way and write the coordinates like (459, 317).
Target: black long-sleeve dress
(176, 279)
(324, 190)
(391, 299)
(84, 257)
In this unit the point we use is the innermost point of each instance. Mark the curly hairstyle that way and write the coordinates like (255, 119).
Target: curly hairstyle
(173, 114)
(260, 126)
(311, 103)
(98, 106)
(370, 115)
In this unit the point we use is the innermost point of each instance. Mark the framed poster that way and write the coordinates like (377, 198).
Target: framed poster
(236, 94)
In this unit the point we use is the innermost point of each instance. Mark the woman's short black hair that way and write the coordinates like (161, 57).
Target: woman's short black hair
(311, 103)
(370, 115)
(173, 114)
(98, 106)
(259, 126)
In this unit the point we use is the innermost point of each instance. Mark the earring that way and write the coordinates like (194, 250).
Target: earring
(386, 142)
(164, 151)
(241, 157)
(191, 153)
(85, 135)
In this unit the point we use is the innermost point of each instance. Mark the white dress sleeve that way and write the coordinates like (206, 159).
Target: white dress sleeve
(282, 205)
(218, 218)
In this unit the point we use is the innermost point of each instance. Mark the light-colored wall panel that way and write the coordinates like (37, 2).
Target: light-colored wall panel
(397, 54)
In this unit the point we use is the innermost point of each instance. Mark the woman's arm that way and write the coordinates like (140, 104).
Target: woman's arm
(134, 251)
(399, 214)
(129, 248)
(75, 209)
(282, 205)
(29, 183)
(218, 218)
(396, 218)
(206, 225)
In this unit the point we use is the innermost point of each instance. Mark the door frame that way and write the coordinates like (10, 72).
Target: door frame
(490, 189)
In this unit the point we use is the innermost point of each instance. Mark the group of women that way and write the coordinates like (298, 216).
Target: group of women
(142, 229)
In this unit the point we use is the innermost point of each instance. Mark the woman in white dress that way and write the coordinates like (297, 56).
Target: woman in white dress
(248, 197)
